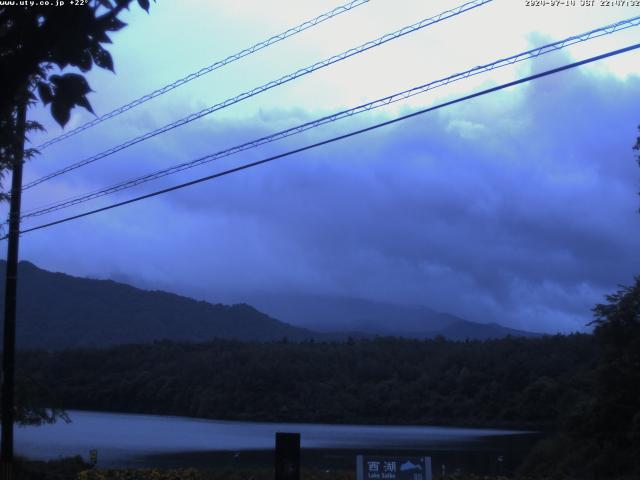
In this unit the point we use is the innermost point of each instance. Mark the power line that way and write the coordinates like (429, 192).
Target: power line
(208, 69)
(267, 86)
(335, 139)
(535, 52)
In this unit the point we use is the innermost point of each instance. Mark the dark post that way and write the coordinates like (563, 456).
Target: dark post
(9, 341)
(287, 456)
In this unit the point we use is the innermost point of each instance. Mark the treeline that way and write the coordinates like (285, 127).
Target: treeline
(600, 433)
(513, 382)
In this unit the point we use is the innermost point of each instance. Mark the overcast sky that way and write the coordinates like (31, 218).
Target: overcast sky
(519, 207)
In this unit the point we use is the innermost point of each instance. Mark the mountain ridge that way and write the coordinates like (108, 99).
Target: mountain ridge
(326, 313)
(58, 311)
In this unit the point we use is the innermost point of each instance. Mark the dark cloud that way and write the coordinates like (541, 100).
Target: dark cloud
(519, 207)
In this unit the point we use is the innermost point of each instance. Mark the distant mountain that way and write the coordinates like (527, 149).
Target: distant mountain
(327, 314)
(57, 311)
(464, 329)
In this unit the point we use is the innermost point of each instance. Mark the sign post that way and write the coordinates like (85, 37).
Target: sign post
(287, 456)
(393, 468)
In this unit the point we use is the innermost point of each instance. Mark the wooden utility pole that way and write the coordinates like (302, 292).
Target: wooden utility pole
(9, 341)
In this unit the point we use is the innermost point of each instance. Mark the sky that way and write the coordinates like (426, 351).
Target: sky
(518, 207)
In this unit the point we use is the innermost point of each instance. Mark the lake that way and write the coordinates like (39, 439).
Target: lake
(128, 440)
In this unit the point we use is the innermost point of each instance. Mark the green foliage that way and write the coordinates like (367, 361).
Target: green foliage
(62, 469)
(37, 38)
(601, 434)
(616, 413)
(510, 382)
(32, 400)
(221, 474)
(34, 40)
(31, 403)
(64, 92)
(142, 474)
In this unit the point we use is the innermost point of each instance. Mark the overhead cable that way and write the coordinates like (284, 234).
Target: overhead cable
(267, 86)
(335, 139)
(208, 69)
(529, 54)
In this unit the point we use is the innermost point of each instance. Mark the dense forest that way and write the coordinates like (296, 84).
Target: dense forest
(583, 389)
(509, 382)
(599, 436)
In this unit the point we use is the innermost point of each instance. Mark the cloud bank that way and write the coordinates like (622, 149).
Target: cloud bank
(519, 207)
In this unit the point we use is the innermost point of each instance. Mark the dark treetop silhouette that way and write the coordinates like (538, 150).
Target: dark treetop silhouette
(34, 40)
(36, 44)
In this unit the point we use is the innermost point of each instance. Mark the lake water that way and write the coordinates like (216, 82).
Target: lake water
(126, 440)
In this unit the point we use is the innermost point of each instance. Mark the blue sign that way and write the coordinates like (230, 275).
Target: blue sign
(393, 468)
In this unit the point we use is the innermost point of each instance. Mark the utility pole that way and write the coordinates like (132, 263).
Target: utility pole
(9, 341)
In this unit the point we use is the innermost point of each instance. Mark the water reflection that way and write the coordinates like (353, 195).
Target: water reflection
(151, 440)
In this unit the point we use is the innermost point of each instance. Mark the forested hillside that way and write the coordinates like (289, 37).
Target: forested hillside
(57, 311)
(509, 382)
